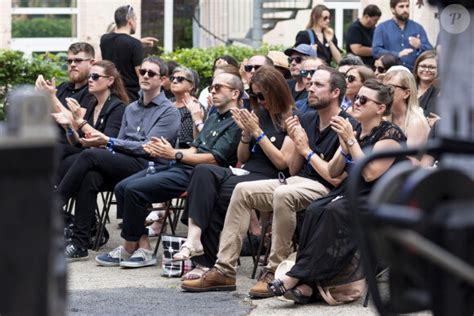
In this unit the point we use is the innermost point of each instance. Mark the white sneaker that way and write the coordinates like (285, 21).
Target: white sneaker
(113, 258)
(140, 258)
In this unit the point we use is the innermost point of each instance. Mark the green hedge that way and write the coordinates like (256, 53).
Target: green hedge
(201, 59)
(42, 27)
(16, 69)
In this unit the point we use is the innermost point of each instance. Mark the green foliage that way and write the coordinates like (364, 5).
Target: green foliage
(16, 69)
(201, 59)
(42, 27)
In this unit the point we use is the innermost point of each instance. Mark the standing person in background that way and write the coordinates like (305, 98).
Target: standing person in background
(320, 35)
(400, 36)
(125, 51)
(361, 33)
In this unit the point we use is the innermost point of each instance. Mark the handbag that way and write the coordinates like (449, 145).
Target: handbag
(171, 246)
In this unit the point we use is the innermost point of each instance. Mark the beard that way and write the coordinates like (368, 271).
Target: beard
(319, 104)
(77, 76)
(402, 17)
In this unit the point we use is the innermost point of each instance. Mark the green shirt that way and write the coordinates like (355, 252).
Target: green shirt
(219, 136)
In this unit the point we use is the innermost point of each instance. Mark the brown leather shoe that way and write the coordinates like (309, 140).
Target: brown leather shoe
(211, 280)
(260, 290)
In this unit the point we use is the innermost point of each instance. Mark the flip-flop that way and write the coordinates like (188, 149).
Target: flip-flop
(192, 253)
(195, 273)
(296, 295)
(277, 287)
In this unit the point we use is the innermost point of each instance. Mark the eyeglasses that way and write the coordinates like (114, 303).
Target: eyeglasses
(351, 78)
(326, 18)
(258, 96)
(363, 99)
(248, 68)
(381, 70)
(427, 67)
(396, 86)
(219, 86)
(150, 73)
(76, 60)
(306, 73)
(180, 79)
(94, 76)
(296, 59)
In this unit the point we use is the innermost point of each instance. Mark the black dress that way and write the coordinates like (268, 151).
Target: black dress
(428, 100)
(211, 187)
(323, 50)
(327, 245)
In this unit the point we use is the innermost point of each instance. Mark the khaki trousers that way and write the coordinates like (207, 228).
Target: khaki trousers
(284, 200)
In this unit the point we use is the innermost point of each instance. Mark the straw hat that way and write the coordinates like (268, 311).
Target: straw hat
(279, 59)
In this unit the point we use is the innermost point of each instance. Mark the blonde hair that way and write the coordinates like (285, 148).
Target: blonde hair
(407, 80)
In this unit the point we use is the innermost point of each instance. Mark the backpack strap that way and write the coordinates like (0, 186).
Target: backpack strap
(311, 36)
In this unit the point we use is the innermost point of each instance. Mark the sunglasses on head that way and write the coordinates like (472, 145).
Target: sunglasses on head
(296, 59)
(258, 96)
(218, 86)
(248, 68)
(129, 11)
(94, 76)
(363, 99)
(379, 69)
(76, 60)
(306, 73)
(180, 79)
(351, 78)
(150, 73)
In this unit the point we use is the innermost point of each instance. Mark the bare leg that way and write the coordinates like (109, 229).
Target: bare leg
(144, 242)
(255, 228)
(130, 246)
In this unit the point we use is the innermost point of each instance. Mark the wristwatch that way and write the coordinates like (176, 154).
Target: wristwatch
(178, 156)
(350, 142)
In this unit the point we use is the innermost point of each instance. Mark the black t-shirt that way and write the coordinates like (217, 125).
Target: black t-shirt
(82, 95)
(324, 143)
(358, 34)
(297, 95)
(258, 161)
(323, 50)
(126, 53)
(428, 100)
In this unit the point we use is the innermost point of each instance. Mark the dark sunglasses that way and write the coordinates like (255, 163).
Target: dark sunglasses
(306, 73)
(351, 78)
(219, 86)
(379, 69)
(363, 99)
(76, 60)
(258, 96)
(297, 59)
(150, 73)
(326, 18)
(180, 79)
(396, 86)
(248, 68)
(95, 76)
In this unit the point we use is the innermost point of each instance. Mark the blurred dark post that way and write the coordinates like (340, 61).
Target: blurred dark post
(32, 269)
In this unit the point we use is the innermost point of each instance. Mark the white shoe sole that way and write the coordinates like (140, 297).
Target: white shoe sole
(131, 264)
(68, 260)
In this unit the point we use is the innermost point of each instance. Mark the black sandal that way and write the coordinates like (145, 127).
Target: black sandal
(277, 287)
(297, 296)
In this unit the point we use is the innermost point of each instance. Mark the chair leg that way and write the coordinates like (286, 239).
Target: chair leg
(103, 218)
(166, 218)
(259, 251)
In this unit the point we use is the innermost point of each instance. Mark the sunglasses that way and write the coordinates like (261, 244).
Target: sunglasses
(306, 73)
(297, 59)
(76, 60)
(150, 73)
(326, 18)
(351, 78)
(180, 79)
(248, 68)
(95, 76)
(379, 69)
(218, 86)
(258, 96)
(396, 86)
(363, 100)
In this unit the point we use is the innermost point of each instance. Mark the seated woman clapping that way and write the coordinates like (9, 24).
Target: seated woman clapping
(103, 115)
(262, 150)
(326, 244)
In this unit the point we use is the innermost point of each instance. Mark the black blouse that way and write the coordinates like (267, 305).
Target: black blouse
(428, 100)
(110, 117)
(323, 50)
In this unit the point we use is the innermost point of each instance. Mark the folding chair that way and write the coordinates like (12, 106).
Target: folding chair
(173, 209)
(107, 201)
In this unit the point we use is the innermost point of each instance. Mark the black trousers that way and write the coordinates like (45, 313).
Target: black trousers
(66, 154)
(209, 193)
(93, 171)
(135, 193)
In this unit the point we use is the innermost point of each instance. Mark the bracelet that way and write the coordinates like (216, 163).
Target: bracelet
(84, 122)
(347, 157)
(244, 142)
(70, 131)
(259, 138)
(198, 123)
(110, 145)
(310, 155)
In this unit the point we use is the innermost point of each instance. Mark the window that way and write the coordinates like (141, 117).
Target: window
(342, 15)
(44, 25)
